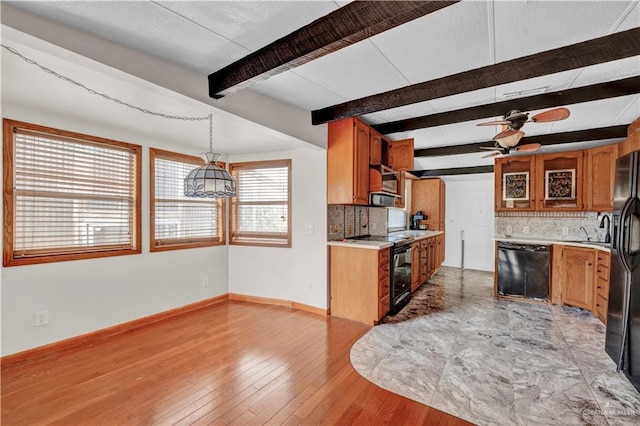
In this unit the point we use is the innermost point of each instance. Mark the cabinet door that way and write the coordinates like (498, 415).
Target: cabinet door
(400, 155)
(426, 197)
(600, 177)
(559, 181)
(375, 148)
(578, 275)
(361, 164)
(515, 183)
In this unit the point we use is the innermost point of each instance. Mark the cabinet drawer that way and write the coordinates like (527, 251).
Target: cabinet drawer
(383, 256)
(604, 259)
(383, 306)
(601, 308)
(602, 272)
(383, 287)
(602, 288)
(383, 270)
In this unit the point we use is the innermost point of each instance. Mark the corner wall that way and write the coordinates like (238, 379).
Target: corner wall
(283, 273)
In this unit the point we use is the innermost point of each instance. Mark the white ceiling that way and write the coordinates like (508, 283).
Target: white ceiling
(204, 36)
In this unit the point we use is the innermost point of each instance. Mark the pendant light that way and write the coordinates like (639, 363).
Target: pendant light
(209, 180)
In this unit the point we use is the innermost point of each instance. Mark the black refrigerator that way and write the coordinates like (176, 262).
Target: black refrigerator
(623, 316)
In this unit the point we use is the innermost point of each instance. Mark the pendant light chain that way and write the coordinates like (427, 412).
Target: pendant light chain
(110, 98)
(208, 181)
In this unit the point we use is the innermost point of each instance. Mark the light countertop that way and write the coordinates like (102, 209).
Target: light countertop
(378, 245)
(589, 244)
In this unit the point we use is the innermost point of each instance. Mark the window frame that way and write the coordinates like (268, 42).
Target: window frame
(9, 199)
(180, 244)
(256, 240)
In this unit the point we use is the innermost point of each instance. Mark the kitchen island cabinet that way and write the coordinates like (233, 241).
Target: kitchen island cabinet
(360, 280)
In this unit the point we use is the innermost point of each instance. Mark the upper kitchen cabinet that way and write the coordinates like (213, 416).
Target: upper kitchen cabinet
(559, 181)
(515, 183)
(399, 155)
(375, 148)
(348, 162)
(600, 177)
(428, 196)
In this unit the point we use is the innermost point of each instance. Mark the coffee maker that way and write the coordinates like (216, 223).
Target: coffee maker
(416, 218)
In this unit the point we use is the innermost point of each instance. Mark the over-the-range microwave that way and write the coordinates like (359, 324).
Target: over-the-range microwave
(379, 199)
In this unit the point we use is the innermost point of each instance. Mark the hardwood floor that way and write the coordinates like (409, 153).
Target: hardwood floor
(231, 363)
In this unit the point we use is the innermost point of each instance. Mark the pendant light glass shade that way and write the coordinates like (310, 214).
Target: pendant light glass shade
(209, 181)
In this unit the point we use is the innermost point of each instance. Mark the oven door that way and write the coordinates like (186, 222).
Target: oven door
(401, 278)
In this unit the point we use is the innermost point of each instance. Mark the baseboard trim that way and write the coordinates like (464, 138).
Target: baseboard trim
(309, 308)
(279, 302)
(83, 340)
(260, 300)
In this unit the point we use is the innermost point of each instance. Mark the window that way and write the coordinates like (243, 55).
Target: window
(177, 221)
(261, 209)
(68, 196)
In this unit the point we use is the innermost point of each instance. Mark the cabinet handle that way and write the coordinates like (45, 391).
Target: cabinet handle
(599, 270)
(598, 287)
(589, 264)
(597, 304)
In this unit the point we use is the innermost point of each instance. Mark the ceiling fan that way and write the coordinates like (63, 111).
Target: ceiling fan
(507, 140)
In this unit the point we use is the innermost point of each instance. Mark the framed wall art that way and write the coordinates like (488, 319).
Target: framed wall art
(560, 184)
(515, 186)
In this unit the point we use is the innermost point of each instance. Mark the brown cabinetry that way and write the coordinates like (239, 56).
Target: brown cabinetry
(601, 294)
(429, 196)
(415, 266)
(600, 177)
(632, 143)
(515, 183)
(399, 155)
(348, 162)
(559, 178)
(375, 148)
(360, 281)
(577, 276)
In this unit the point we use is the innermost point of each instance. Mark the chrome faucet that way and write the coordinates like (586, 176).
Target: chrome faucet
(586, 233)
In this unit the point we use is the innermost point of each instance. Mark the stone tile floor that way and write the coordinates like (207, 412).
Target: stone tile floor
(493, 361)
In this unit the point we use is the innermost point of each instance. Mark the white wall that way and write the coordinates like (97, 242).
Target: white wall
(283, 273)
(87, 295)
(470, 209)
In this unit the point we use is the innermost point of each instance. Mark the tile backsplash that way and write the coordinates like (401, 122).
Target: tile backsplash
(347, 221)
(549, 225)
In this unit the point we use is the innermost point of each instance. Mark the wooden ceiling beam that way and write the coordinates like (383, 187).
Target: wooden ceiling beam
(601, 133)
(350, 24)
(612, 47)
(594, 92)
(452, 171)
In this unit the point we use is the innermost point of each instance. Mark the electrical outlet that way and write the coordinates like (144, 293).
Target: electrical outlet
(525, 230)
(565, 230)
(205, 282)
(509, 229)
(41, 318)
(308, 285)
(332, 229)
(308, 229)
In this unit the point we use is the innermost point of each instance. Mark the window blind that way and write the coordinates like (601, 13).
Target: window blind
(71, 195)
(181, 220)
(261, 208)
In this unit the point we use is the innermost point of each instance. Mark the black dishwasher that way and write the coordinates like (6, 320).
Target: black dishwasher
(523, 270)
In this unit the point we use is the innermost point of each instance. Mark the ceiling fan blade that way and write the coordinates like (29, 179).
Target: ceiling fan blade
(493, 154)
(556, 114)
(530, 147)
(495, 123)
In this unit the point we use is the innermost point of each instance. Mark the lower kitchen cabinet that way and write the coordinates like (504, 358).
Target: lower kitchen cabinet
(580, 277)
(360, 281)
(601, 299)
(415, 270)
